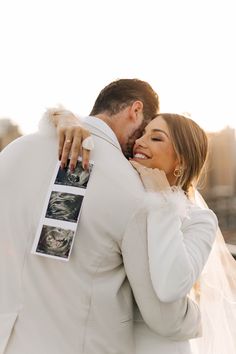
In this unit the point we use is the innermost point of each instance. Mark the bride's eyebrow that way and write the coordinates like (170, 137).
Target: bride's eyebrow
(160, 131)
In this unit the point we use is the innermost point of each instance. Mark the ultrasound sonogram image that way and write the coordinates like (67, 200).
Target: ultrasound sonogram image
(64, 206)
(78, 178)
(55, 241)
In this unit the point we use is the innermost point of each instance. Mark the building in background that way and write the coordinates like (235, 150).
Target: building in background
(220, 181)
(8, 132)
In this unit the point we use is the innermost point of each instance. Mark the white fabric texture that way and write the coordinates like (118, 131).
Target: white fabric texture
(85, 305)
(7, 321)
(216, 295)
(180, 238)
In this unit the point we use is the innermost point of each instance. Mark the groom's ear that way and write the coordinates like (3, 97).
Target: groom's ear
(136, 111)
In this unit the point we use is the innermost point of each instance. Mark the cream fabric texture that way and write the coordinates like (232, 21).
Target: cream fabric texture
(84, 306)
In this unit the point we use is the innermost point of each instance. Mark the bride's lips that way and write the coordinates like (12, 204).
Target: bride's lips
(138, 155)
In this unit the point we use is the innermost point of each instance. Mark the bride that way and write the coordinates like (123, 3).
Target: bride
(169, 157)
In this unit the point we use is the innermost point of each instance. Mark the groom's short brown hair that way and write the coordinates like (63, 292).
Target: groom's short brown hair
(121, 93)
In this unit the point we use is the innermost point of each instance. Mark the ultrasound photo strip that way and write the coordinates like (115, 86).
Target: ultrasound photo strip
(61, 212)
(64, 206)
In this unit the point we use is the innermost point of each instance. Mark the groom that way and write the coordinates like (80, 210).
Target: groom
(84, 306)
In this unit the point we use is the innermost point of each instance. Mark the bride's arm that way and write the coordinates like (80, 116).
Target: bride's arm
(178, 246)
(178, 320)
(180, 237)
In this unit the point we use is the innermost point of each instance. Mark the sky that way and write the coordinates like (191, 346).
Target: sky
(65, 51)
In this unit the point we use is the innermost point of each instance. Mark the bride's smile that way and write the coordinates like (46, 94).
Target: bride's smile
(155, 149)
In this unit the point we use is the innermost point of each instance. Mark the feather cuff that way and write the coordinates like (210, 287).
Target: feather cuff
(46, 126)
(174, 200)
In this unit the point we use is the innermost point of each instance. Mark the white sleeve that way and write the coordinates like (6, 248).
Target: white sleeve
(178, 320)
(178, 246)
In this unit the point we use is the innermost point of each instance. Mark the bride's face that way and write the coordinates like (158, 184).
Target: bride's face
(155, 149)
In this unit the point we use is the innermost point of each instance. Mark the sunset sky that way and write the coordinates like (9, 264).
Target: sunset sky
(66, 51)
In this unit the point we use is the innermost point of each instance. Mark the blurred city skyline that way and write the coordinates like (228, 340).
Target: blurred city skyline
(23, 130)
(27, 126)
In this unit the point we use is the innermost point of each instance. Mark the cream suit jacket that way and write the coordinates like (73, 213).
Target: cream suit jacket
(84, 306)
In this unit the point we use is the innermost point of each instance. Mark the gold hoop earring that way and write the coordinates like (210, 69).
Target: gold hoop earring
(178, 172)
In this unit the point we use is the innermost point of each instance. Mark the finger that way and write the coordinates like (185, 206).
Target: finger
(66, 149)
(161, 181)
(85, 152)
(75, 152)
(61, 136)
(136, 165)
(142, 170)
(157, 170)
(85, 158)
(79, 135)
(162, 176)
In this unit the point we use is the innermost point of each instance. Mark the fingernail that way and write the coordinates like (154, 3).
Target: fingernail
(62, 166)
(72, 168)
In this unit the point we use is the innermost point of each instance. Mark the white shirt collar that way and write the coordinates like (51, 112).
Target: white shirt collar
(100, 124)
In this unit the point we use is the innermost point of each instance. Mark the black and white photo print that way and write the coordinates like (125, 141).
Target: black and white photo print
(64, 206)
(55, 241)
(78, 178)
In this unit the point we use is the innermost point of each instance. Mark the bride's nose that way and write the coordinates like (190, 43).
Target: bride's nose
(140, 142)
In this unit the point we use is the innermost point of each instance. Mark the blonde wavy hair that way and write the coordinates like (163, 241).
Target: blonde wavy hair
(190, 143)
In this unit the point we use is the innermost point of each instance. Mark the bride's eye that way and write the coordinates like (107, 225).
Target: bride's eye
(156, 139)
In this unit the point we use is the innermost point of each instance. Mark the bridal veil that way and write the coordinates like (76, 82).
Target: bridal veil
(216, 294)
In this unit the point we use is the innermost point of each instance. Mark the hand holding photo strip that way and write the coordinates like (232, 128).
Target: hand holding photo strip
(60, 216)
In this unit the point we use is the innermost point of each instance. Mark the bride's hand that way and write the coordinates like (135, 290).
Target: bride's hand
(71, 135)
(154, 180)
